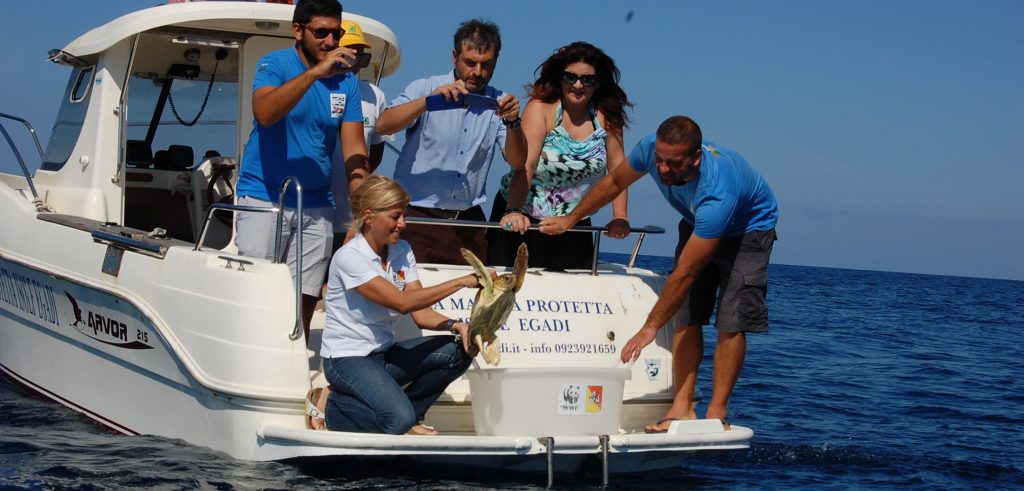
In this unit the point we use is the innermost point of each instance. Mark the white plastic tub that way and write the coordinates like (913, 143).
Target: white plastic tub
(546, 401)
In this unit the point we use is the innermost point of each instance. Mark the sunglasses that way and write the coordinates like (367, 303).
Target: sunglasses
(322, 32)
(569, 78)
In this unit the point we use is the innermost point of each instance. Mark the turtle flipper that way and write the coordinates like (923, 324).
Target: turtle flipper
(481, 270)
(519, 269)
(492, 355)
(479, 341)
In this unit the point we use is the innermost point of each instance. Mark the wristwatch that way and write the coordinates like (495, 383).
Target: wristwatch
(450, 325)
(514, 124)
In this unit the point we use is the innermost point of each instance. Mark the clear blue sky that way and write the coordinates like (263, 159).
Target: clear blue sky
(891, 132)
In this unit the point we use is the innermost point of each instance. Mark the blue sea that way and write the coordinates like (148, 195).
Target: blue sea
(866, 380)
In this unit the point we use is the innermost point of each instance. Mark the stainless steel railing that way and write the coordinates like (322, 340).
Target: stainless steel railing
(278, 255)
(17, 154)
(596, 231)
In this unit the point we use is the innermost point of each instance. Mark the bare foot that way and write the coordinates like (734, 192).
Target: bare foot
(422, 430)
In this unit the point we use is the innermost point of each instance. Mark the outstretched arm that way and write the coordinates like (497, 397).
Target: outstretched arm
(599, 195)
(696, 254)
(535, 127)
(415, 296)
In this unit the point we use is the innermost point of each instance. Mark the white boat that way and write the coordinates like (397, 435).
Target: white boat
(110, 307)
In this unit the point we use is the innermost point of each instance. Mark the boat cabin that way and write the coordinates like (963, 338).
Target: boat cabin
(157, 109)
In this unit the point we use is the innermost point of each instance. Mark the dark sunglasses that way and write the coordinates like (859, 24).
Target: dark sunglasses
(322, 32)
(569, 78)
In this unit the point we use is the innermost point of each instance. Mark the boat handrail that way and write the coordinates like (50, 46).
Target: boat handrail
(278, 256)
(643, 231)
(31, 130)
(596, 231)
(229, 207)
(297, 330)
(17, 154)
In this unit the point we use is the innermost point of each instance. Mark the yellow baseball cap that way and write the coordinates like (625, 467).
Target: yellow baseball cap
(353, 37)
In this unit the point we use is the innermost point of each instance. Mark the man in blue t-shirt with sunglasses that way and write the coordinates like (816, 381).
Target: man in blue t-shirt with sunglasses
(726, 236)
(304, 99)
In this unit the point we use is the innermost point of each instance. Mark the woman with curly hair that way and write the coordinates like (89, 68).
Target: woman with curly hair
(573, 123)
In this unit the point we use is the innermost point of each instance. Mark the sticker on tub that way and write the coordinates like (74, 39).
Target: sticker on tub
(578, 399)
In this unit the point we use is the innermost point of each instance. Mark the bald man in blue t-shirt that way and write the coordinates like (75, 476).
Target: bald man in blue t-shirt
(725, 241)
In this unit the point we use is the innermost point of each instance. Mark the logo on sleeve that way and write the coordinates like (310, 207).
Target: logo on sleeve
(398, 279)
(338, 105)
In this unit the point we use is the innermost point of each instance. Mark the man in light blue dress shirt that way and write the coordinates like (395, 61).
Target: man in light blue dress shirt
(447, 153)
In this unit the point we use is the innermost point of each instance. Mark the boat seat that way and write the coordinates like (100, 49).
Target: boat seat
(137, 153)
(176, 157)
(148, 208)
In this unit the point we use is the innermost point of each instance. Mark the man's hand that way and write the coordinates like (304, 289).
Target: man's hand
(643, 337)
(453, 91)
(335, 63)
(618, 228)
(508, 107)
(556, 225)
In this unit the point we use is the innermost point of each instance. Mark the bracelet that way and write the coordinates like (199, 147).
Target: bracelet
(509, 211)
(514, 124)
(450, 325)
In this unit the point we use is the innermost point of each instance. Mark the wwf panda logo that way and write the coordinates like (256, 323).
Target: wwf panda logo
(571, 394)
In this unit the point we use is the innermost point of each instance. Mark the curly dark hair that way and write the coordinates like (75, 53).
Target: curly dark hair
(609, 98)
(305, 10)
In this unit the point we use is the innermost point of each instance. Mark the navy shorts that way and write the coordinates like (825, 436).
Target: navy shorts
(736, 277)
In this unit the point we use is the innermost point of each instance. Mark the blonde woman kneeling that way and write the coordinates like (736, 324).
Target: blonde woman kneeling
(379, 385)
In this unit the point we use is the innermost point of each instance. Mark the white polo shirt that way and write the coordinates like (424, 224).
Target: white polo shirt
(356, 326)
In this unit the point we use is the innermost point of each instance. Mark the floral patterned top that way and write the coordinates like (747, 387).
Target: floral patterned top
(566, 170)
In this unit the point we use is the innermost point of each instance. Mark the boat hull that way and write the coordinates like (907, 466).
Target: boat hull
(95, 352)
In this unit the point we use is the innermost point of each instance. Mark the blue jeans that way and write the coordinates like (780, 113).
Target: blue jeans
(366, 391)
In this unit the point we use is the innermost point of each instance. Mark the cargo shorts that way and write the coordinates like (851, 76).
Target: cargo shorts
(255, 234)
(736, 278)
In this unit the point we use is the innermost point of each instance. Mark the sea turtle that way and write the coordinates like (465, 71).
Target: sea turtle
(493, 302)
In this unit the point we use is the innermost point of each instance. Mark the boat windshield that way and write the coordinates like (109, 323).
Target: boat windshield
(182, 104)
(170, 113)
(182, 141)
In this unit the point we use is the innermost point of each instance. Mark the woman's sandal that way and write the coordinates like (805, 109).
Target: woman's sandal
(315, 417)
(422, 430)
